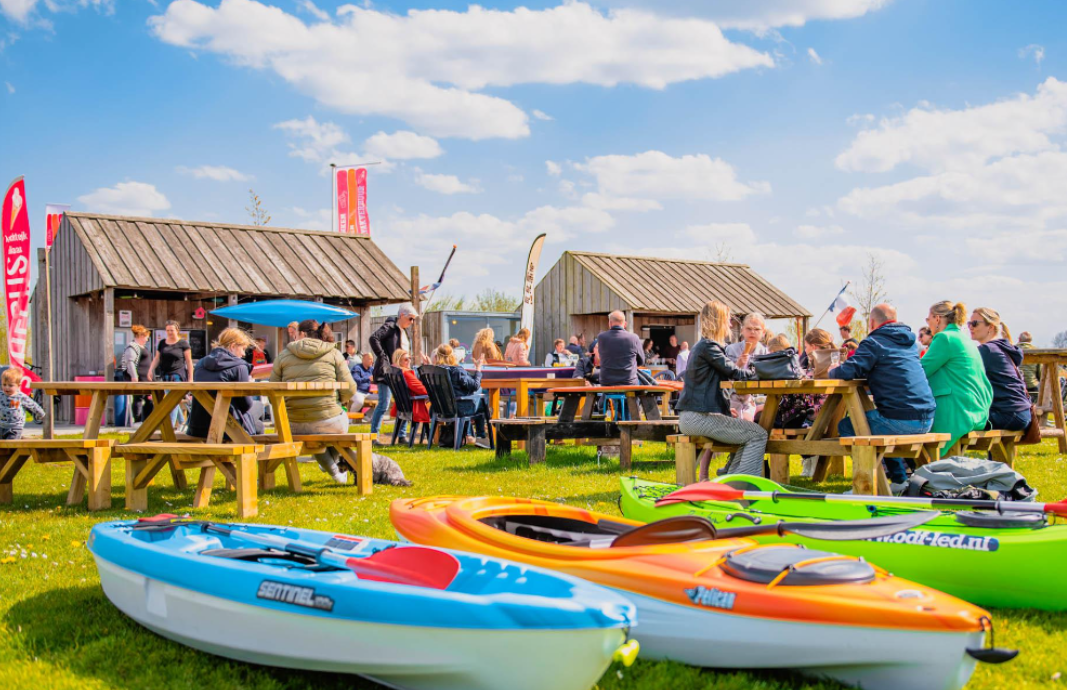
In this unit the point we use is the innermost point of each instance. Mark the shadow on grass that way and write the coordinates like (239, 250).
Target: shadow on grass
(79, 629)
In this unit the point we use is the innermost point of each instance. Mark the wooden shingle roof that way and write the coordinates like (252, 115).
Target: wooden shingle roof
(683, 286)
(161, 254)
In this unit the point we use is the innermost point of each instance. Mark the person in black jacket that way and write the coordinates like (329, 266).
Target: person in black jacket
(704, 407)
(384, 342)
(588, 367)
(464, 384)
(1010, 410)
(225, 364)
(620, 353)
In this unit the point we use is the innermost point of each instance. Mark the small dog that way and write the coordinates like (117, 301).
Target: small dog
(387, 471)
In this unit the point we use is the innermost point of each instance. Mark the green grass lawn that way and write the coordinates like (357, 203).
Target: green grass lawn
(57, 630)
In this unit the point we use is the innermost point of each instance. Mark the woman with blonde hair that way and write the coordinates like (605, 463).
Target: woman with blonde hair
(225, 364)
(704, 406)
(954, 368)
(1010, 410)
(518, 350)
(420, 414)
(466, 386)
(484, 347)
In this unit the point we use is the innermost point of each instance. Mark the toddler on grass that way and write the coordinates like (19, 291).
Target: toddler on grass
(13, 405)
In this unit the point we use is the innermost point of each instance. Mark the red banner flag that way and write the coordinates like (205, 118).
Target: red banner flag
(362, 219)
(53, 216)
(16, 232)
(340, 211)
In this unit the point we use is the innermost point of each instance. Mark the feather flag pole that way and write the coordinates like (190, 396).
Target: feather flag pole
(428, 291)
(840, 303)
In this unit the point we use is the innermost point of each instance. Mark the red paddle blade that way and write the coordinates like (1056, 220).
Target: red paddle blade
(1057, 508)
(702, 491)
(416, 566)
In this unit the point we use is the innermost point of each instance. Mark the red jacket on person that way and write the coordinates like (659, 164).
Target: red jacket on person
(420, 413)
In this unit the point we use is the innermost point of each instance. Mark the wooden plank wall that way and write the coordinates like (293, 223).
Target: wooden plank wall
(568, 289)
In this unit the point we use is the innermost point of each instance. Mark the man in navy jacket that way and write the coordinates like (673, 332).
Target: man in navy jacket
(888, 359)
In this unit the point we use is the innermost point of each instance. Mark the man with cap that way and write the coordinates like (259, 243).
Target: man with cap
(384, 342)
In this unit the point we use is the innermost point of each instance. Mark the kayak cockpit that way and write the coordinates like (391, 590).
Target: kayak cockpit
(559, 530)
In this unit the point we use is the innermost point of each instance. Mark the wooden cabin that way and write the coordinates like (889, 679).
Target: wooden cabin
(660, 297)
(110, 272)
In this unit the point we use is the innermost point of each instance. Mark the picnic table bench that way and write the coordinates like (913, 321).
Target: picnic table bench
(1000, 444)
(228, 448)
(638, 399)
(91, 459)
(1050, 395)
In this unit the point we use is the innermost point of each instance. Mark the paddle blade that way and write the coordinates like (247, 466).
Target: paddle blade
(416, 566)
(702, 491)
(848, 530)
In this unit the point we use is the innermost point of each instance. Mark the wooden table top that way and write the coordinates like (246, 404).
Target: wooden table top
(610, 389)
(300, 388)
(1044, 356)
(533, 383)
(801, 386)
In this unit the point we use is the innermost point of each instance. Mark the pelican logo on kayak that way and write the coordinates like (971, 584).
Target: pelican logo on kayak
(921, 537)
(712, 598)
(293, 594)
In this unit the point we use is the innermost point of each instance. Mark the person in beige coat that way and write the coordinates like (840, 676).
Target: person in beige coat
(313, 357)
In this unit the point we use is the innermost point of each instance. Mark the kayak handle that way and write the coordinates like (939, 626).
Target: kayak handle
(991, 654)
(754, 518)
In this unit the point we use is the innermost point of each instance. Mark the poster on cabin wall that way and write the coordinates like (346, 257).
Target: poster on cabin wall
(350, 201)
(15, 223)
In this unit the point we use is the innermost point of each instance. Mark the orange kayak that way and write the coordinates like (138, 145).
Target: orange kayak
(728, 603)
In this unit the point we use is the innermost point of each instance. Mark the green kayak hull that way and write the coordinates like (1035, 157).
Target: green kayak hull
(999, 567)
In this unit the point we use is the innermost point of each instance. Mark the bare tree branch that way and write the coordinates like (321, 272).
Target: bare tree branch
(260, 216)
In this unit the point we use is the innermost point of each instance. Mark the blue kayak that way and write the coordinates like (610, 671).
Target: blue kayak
(407, 616)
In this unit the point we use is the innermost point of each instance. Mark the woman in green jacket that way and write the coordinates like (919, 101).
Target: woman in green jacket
(313, 357)
(956, 374)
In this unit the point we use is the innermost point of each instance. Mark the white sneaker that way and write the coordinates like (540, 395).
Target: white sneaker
(898, 489)
(807, 466)
(333, 470)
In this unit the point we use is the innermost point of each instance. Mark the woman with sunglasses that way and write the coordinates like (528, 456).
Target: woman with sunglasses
(956, 374)
(420, 414)
(1011, 403)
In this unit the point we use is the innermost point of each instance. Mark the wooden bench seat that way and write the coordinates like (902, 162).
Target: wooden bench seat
(867, 452)
(537, 431)
(644, 430)
(1000, 444)
(91, 459)
(237, 462)
(354, 448)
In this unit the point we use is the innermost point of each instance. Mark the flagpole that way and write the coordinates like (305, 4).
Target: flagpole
(847, 283)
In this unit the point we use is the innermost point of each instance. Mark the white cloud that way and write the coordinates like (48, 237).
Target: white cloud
(566, 188)
(313, 9)
(515, 177)
(17, 11)
(540, 115)
(553, 168)
(602, 202)
(1033, 50)
(321, 219)
(425, 67)
(811, 232)
(710, 234)
(219, 173)
(656, 175)
(939, 140)
(402, 146)
(317, 142)
(814, 57)
(860, 119)
(126, 199)
(10, 88)
(446, 184)
(760, 15)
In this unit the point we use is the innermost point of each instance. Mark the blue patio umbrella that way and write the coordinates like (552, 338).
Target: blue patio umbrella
(281, 312)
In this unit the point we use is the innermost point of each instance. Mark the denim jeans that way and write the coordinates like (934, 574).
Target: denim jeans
(1009, 421)
(173, 377)
(385, 398)
(895, 468)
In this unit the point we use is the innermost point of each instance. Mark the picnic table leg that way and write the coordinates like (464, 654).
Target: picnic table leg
(864, 468)
(99, 476)
(77, 482)
(503, 441)
(685, 460)
(292, 475)
(281, 418)
(1057, 407)
(1004, 451)
(160, 419)
(136, 481)
(9, 467)
(202, 496)
(625, 448)
(361, 463)
(522, 404)
(245, 471)
(588, 402)
(494, 403)
(265, 478)
(648, 404)
(779, 467)
(95, 418)
(535, 447)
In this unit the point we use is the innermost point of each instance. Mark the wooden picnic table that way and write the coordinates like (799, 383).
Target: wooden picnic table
(1049, 394)
(842, 397)
(523, 387)
(237, 452)
(638, 399)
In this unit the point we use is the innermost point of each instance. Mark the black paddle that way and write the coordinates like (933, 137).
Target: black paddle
(696, 528)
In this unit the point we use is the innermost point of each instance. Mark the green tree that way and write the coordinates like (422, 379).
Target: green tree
(495, 300)
(447, 302)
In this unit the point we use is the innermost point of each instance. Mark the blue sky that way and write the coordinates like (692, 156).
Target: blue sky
(800, 136)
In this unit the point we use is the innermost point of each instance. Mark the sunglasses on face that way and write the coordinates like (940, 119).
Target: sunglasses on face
(975, 324)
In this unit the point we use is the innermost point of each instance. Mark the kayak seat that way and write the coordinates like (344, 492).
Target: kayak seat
(259, 555)
(802, 567)
(559, 530)
(1006, 520)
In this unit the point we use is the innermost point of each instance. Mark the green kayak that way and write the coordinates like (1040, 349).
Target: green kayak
(1011, 560)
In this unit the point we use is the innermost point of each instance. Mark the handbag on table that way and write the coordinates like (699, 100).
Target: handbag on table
(778, 366)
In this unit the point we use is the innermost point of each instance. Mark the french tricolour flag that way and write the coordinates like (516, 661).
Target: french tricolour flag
(844, 310)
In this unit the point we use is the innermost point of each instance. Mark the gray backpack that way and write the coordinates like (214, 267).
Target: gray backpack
(959, 475)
